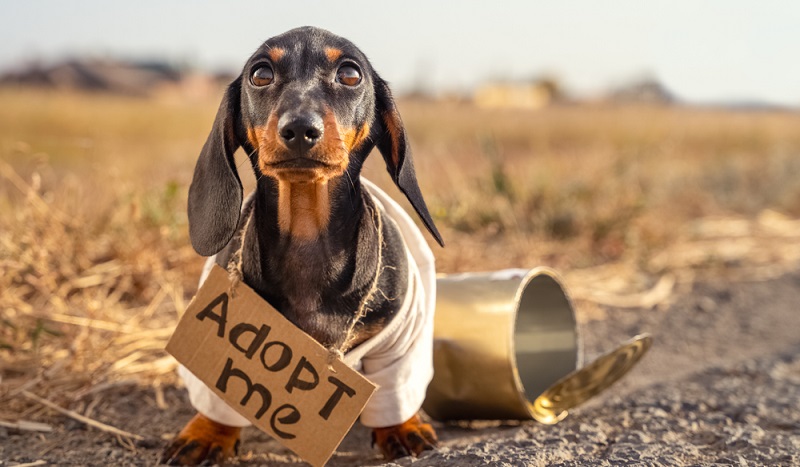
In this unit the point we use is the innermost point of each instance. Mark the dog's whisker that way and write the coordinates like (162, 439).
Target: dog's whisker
(353, 186)
(246, 159)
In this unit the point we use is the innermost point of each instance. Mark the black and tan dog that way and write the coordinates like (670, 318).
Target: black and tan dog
(308, 109)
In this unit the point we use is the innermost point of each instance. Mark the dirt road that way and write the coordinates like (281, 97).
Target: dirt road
(721, 385)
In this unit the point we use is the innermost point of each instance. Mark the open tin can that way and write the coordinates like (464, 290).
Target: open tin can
(507, 347)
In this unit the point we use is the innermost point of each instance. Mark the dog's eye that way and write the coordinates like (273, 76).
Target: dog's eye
(262, 76)
(348, 75)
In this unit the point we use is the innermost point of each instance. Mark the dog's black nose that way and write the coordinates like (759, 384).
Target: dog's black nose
(301, 133)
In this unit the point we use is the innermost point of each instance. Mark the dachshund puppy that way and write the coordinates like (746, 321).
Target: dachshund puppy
(330, 251)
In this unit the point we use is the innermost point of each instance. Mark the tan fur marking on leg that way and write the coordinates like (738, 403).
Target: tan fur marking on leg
(202, 440)
(410, 437)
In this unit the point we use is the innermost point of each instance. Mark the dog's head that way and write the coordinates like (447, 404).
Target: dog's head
(307, 108)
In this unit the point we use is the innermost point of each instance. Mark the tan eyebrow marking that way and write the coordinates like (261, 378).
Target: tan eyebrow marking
(276, 53)
(333, 54)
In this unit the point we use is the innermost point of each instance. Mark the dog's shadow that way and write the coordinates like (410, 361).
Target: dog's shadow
(355, 449)
(258, 448)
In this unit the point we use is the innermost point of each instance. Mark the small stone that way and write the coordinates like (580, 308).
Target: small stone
(659, 413)
(149, 443)
(706, 305)
(73, 425)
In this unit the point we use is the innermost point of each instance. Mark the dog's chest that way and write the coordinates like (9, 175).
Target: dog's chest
(308, 281)
(306, 273)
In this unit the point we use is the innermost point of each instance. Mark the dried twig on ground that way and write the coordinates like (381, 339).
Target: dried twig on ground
(31, 464)
(81, 418)
(25, 425)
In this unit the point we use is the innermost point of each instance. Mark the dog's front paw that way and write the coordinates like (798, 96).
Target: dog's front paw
(202, 442)
(410, 437)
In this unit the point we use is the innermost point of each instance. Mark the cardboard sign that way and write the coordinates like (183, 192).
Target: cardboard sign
(267, 369)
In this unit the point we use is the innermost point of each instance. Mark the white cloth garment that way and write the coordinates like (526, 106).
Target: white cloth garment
(399, 359)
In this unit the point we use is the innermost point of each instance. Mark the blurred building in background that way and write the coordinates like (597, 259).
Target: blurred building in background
(136, 78)
(534, 94)
(644, 91)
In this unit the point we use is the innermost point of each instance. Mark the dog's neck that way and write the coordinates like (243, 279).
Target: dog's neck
(303, 209)
(310, 258)
(302, 216)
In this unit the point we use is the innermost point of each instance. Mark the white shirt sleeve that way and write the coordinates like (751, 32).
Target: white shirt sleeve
(401, 364)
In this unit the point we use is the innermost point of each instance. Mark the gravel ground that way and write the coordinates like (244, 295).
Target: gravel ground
(721, 385)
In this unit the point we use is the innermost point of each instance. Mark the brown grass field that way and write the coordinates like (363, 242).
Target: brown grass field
(627, 202)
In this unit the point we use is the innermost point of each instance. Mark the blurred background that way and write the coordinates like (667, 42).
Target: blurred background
(637, 147)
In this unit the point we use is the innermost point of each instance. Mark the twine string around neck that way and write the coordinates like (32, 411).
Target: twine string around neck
(333, 352)
(235, 274)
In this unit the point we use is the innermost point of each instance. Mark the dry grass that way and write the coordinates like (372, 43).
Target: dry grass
(94, 252)
(94, 259)
(584, 186)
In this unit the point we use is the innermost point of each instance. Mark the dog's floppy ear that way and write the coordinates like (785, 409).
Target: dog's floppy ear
(215, 195)
(392, 142)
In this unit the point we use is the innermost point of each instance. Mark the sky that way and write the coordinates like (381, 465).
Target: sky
(704, 51)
